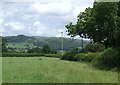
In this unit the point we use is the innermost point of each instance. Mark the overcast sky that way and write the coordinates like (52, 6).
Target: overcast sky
(39, 18)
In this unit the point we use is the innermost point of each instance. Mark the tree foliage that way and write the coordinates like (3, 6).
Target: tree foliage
(94, 47)
(100, 23)
(46, 49)
(4, 49)
(35, 50)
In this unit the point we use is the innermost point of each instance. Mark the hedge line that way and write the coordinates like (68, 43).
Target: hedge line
(30, 55)
(21, 54)
(53, 55)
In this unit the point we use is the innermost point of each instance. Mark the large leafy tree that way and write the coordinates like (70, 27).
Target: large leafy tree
(105, 17)
(99, 23)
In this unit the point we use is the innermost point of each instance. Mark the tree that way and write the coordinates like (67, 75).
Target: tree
(34, 50)
(99, 23)
(46, 49)
(105, 17)
(118, 37)
(94, 47)
(4, 49)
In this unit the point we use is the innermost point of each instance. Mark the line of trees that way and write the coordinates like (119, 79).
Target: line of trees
(100, 24)
(45, 49)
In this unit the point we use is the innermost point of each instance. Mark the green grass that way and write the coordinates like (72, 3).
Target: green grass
(21, 45)
(52, 70)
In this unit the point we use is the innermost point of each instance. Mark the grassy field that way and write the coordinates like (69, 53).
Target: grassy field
(52, 70)
(21, 45)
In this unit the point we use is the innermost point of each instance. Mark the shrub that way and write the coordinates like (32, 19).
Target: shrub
(95, 47)
(79, 56)
(59, 55)
(89, 57)
(109, 59)
(68, 56)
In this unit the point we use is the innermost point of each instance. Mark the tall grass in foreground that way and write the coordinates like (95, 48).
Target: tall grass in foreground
(52, 70)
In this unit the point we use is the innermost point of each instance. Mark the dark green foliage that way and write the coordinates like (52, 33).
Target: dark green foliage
(46, 49)
(53, 51)
(95, 47)
(4, 49)
(70, 55)
(79, 56)
(67, 56)
(34, 50)
(100, 23)
(109, 59)
(59, 55)
(22, 54)
(87, 57)
(30, 55)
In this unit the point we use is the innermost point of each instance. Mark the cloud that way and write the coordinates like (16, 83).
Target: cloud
(1, 26)
(53, 9)
(16, 26)
(8, 11)
(45, 0)
(1, 21)
(39, 19)
(39, 28)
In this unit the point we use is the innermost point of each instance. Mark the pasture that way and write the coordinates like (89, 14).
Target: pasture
(52, 70)
(21, 45)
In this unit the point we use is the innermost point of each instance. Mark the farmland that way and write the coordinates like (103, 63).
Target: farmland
(52, 70)
(21, 45)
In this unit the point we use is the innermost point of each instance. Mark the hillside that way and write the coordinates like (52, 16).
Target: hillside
(27, 42)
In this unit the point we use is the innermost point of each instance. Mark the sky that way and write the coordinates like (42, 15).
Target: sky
(43, 18)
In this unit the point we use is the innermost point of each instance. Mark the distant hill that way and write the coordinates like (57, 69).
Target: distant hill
(28, 42)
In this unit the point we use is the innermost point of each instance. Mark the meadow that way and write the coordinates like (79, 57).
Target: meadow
(21, 45)
(52, 70)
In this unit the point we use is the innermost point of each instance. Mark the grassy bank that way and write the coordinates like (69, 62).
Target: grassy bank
(52, 70)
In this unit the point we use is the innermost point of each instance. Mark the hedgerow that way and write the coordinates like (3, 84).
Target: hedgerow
(22, 54)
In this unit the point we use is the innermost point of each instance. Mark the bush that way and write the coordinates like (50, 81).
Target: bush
(68, 56)
(95, 47)
(92, 57)
(59, 55)
(79, 56)
(109, 59)
(88, 57)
